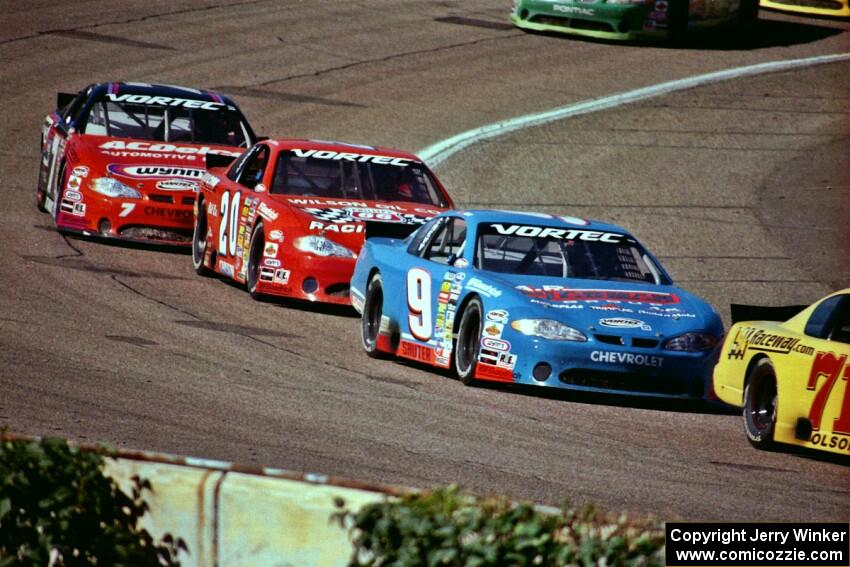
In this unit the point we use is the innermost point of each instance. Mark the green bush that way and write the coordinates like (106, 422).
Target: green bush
(58, 508)
(447, 527)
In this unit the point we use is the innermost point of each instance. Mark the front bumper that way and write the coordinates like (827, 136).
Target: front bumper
(323, 279)
(146, 220)
(595, 367)
(598, 20)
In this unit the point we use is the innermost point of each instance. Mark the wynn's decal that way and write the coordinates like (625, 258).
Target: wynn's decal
(349, 156)
(559, 233)
(156, 172)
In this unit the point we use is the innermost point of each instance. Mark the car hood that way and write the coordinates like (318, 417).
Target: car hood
(344, 220)
(149, 166)
(608, 306)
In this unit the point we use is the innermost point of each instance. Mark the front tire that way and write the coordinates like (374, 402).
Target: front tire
(760, 405)
(199, 241)
(255, 260)
(373, 312)
(468, 341)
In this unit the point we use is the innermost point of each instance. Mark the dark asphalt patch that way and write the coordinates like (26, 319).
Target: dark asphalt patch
(138, 341)
(236, 329)
(91, 36)
(475, 22)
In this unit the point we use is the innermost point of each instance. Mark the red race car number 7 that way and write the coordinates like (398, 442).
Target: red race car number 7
(419, 303)
(829, 365)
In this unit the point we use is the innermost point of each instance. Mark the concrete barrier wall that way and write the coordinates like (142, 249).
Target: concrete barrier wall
(231, 516)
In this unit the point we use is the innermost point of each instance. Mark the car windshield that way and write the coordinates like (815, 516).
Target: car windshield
(213, 124)
(564, 253)
(311, 173)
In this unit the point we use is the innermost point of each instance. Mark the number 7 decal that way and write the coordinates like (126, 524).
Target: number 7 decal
(419, 303)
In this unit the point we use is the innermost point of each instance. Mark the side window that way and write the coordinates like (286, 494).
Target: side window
(254, 167)
(826, 316)
(421, 236)
(447, 244)
(237, 166)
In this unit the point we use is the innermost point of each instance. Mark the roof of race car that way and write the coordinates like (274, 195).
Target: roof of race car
(173, 91)
(333, 145)
(540, 219)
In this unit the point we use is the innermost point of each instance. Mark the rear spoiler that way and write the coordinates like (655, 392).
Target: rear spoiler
(378, 229)
(218, 160)
(64, 99)
(763, 313)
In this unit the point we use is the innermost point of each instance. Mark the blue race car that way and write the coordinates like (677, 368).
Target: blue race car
(534, 299)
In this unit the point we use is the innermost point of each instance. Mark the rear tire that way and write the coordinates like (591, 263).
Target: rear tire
(199, 241)
(255, 260)
(468, 341)
(677, 21)
(373, 312)
(748, 13)
(40, 195)
(760, 405)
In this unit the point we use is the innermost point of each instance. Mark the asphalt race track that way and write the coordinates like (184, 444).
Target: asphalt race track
(741, 187)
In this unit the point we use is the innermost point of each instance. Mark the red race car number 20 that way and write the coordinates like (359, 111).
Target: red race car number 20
(228, 227)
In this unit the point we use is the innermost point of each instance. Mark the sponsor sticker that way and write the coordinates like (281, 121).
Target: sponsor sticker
(276, 235)
(225, 268)
(495, 344)
(281, 276)
(267, 212)
(350, 156)
(624, 323)
(271, 262)
(80, 171)
(176, 185)
(628, 358)
(493, 330)
(74, 183)
(155, 171)
(73, 196)
(270, 250)
(497, 315)
(483, 288)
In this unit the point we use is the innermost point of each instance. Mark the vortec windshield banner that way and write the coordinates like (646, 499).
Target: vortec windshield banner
(747, 544)
(166, 101)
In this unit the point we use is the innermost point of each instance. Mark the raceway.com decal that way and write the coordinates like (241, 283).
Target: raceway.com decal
(155, 171)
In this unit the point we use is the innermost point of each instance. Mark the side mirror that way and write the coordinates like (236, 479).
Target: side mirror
(64, 99)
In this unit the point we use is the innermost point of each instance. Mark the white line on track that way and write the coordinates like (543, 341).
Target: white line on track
(437, 153)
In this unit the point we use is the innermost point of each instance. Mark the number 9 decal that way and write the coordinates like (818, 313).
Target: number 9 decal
(419, 303)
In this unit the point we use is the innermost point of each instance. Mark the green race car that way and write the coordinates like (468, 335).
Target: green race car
(630, 19)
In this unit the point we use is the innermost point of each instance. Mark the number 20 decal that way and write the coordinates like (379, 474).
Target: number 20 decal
(419, 303)
(227, 228)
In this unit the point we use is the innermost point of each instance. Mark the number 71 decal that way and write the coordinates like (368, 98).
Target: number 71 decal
(830, 365)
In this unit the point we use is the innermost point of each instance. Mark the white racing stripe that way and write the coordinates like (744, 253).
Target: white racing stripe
(437, 153)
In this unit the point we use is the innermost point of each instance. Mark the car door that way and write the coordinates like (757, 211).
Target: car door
(826, 371)
(57, 128)
(432, 290)
(237, 200)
